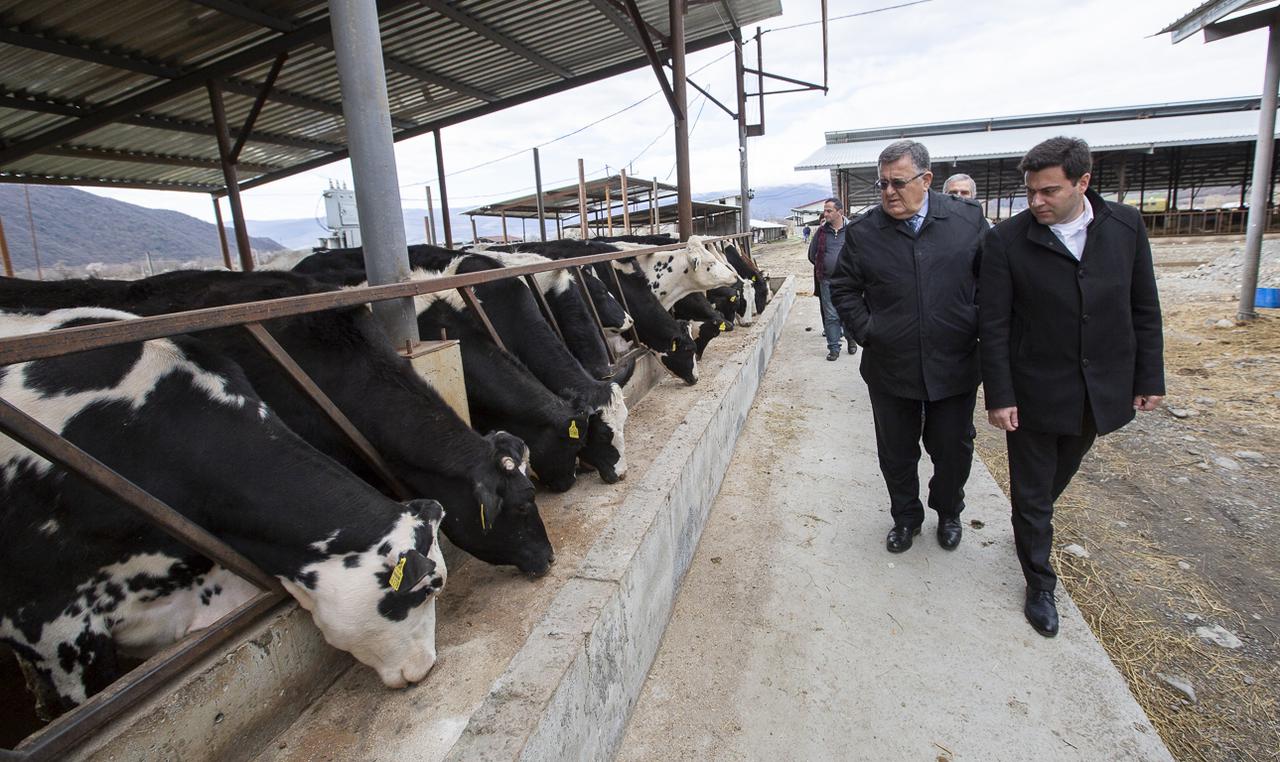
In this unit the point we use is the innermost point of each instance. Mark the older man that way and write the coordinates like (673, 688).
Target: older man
(1071, 342)
(960, 185)
(905, 286)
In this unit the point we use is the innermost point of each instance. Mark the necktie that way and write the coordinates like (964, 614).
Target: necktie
(915, 222)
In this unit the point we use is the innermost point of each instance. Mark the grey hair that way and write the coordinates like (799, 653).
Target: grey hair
(961, 177)
(896, 150)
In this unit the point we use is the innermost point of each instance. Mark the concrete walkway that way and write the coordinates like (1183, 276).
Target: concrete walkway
(796, 636)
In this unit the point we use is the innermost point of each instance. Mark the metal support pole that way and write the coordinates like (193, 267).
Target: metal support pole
(431, 218)
(582, 200)
(537, 181)
(684, 181)
(31, 222)
(4, 252)
(999, 187)
(357, 46)
(1259, 197)
(475, 237)
(626, 204)
(608, 206)
(504, 227)
(229, 176)
(653, 209)
(744, 182)
(1142, 185)
(222, 232)
(444, 193)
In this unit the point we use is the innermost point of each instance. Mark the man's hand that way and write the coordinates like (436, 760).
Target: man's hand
(1147, 402)
(1003, 418)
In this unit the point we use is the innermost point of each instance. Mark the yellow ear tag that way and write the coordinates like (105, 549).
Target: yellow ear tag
(673, 345)
(397, 575)
(573, 429)
(723, 327)
(483, 524)
(733, 299)
(755, 278)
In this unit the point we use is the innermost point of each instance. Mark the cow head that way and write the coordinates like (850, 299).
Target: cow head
(604, 448)
(682, 358)
(612, 315)
(507, 528)
(380, 604)
(554, 447)
(707, 331)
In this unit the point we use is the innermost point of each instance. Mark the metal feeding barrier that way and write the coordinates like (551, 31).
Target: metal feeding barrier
(72, 728)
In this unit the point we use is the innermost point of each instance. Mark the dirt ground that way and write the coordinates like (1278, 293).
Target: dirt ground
(1175, 516)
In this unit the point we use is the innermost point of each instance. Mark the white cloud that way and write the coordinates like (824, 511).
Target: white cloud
(940, 61)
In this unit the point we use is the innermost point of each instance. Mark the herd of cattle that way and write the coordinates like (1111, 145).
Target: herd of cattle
(212, 426)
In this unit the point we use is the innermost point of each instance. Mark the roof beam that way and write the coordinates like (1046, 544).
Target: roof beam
(1201, 17)
(677, 109)
(105, 182)
(147, 157)
(619, 19)
(1230, 28)
(450, 11)
(152, 96)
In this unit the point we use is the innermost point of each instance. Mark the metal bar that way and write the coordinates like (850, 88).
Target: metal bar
(677, 107)
(609, 11)
(711, 98)
(258, 103)
(626, 202)
(532, 282)
(469, 296)
(431, 218)
(53, 343)
(489, 33)
(595, 314)
(229, 176)
(308, 386)
(358, 48)
(608, 206)
(46, 41)
(99, 182)
(653, 208)
(31, 224)
(475, 236)
(744, 183)
(4, 252)
(1260, 196)
(684, 179)
(50, 445)
(784, 92)
(143, 157)
(622, 297)
(72, 728)
(537, 183)
(825, 57)
(807, 85)
(759, 79)
(222, 232)
(444, 194)
(582, 200)
(503, 215)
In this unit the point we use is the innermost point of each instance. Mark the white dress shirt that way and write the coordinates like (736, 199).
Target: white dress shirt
(1073, 233)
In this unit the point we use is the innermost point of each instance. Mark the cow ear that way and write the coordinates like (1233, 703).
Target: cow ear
(695, 259)
(412, 572)
(429, 510)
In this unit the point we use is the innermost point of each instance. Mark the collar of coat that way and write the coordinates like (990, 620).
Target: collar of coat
(1040, 233)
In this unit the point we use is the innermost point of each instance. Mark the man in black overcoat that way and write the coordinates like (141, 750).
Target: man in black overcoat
(1071, 342)
(904, 286)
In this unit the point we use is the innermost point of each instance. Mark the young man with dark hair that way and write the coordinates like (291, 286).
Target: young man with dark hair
(905, 286)
(824, 248)
(1071, 342)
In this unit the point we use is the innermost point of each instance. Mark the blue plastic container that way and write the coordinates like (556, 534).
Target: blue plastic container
(1267, 297)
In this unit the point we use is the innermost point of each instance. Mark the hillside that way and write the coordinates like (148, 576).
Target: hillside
(75, 228)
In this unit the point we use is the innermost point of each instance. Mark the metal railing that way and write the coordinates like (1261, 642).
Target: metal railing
(1191, 222)
(74, 727)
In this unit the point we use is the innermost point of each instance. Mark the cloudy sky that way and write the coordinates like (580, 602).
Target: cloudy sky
(939, 60)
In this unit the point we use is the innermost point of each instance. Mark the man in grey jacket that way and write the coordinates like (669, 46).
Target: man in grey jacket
(906, 286)
(824, 249)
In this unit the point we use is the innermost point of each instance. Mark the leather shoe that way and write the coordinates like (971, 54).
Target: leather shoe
(833, 355)
(949, 532)
(1041, 612)
(899, 538)
(853, 348)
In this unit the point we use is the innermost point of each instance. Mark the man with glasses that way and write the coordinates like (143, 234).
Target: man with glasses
(1071, 342)
(823, 252)
(905, 286)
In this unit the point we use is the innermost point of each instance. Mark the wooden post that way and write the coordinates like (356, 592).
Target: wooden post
(626, 205)
(475, 237)
(444, 193)
(222, 233)
(559, 231)
(229, 175)
(653, 209)
(504, 226)
(582, 200)
(608, 206)
(431, 218)
(4, 252)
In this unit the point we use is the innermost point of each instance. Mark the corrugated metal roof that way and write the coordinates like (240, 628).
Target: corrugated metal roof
(1102, 136)
(76, 61)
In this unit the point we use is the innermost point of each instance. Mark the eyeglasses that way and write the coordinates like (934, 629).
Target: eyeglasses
(883, 185)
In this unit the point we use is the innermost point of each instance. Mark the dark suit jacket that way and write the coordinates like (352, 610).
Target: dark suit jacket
(909, 298)
(1055, 331)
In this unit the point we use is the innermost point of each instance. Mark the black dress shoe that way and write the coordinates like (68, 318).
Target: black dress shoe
(853, 348)
(1041, 612)
(899, 538)
(833, 355)
(949, 532)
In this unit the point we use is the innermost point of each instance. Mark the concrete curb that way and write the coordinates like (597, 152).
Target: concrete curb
(569, 691)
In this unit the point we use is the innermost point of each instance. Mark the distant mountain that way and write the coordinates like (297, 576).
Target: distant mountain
(75, 228)
(774, 202)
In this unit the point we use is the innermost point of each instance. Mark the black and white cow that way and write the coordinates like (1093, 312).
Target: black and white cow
(613, 317)
(87, 581)
(746, 268)
(731, 302)
(674, 274)
(491, 380)
(481, 480)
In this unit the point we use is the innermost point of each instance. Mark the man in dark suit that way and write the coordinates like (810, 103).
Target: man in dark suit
(1071, 342)
(904, 286)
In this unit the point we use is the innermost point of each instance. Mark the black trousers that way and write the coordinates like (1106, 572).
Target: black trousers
(1040, 468)
(946, 426)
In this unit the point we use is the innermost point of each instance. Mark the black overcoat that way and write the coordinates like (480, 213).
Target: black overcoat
(1056, 331)
(909, 298)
